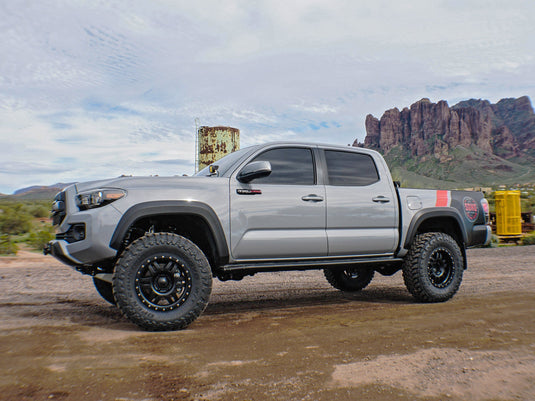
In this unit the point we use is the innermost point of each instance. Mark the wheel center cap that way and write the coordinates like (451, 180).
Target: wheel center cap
(163, 282)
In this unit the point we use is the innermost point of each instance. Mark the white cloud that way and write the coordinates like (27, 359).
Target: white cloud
(254, 116)
(315, 108)
(91, 146)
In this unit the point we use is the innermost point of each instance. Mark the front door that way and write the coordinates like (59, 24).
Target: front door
(281, 215)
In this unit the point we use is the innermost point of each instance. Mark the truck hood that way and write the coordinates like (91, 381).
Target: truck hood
(149, 182)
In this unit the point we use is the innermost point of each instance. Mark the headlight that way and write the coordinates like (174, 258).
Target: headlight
(98, 198)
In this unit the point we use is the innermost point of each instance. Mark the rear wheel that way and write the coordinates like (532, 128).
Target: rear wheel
(349, 279)
(162, 282)
(433, 268)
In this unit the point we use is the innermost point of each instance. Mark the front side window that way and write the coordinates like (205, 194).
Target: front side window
(292, 166)
(350, 169)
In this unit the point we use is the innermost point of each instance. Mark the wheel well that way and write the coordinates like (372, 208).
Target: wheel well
(446, 225)
(192, 227)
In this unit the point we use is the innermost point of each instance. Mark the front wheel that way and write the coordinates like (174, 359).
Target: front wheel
(433, 268)
(162, 282)
(349, 279)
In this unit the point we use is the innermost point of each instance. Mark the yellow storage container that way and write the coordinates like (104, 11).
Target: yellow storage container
(508, 213)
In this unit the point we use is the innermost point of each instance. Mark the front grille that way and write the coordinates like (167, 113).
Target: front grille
(59, 208)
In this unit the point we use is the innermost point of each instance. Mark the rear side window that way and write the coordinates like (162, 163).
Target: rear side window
(292, 166)
(350, 169)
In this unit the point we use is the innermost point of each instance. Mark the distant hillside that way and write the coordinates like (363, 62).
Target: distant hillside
(37, 192)
(472, 143)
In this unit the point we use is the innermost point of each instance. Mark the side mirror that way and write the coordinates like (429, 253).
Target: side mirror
(213, 169)
(254, 170)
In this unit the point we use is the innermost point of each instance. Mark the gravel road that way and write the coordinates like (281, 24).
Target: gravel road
(274, 336)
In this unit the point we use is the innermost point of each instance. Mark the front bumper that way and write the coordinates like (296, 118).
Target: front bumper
(58, 249)
(84, 237)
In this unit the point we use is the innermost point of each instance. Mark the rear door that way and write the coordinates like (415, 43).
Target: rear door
(282, 215)
(362, 214)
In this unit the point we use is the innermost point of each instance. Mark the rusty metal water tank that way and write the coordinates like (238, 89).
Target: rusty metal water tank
(216, 142)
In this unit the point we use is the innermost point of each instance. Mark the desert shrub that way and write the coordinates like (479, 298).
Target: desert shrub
(7, 246)
(39, 211)
(14, 221)
(33, 208)
(38, 239)
(529, 239)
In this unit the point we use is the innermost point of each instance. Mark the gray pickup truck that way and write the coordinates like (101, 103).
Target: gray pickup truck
(153, 244)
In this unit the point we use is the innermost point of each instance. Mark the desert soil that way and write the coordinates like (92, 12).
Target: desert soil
(274, 336)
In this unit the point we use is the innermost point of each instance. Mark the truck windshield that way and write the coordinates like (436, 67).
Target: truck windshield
(225, 162)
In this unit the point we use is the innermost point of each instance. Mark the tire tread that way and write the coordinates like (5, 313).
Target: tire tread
(126, 300)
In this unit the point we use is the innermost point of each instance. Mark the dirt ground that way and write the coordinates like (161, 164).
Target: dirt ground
(274, 336)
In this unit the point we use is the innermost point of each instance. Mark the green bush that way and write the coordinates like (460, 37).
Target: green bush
(21, 222)
(7, 246)
(40, 211)
(529, 239)
(14, 221)
(39, 239)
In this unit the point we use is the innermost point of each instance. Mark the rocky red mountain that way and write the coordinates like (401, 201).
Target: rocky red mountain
(501, 136)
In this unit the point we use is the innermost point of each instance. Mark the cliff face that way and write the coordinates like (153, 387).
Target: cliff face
(426, 129)
(513, 123)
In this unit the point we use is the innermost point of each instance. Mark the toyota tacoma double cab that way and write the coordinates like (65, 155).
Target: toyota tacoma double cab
(153, 244)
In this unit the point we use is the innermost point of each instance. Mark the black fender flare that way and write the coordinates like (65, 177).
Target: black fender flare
(191, 208)
(431, 213)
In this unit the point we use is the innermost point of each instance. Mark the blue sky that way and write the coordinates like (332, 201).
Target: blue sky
(95, 89)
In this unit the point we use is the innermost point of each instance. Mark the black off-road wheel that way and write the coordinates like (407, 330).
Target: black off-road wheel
(104, 289)
(350, 279)
(162, 282)
(433, 268)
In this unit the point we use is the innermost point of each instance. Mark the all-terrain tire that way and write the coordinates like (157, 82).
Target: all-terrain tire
(162, 281)
(350, 279)
(104, 289)
(433, 267)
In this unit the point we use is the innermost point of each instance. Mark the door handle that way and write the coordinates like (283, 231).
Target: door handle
(381, 199)
(312, 198)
